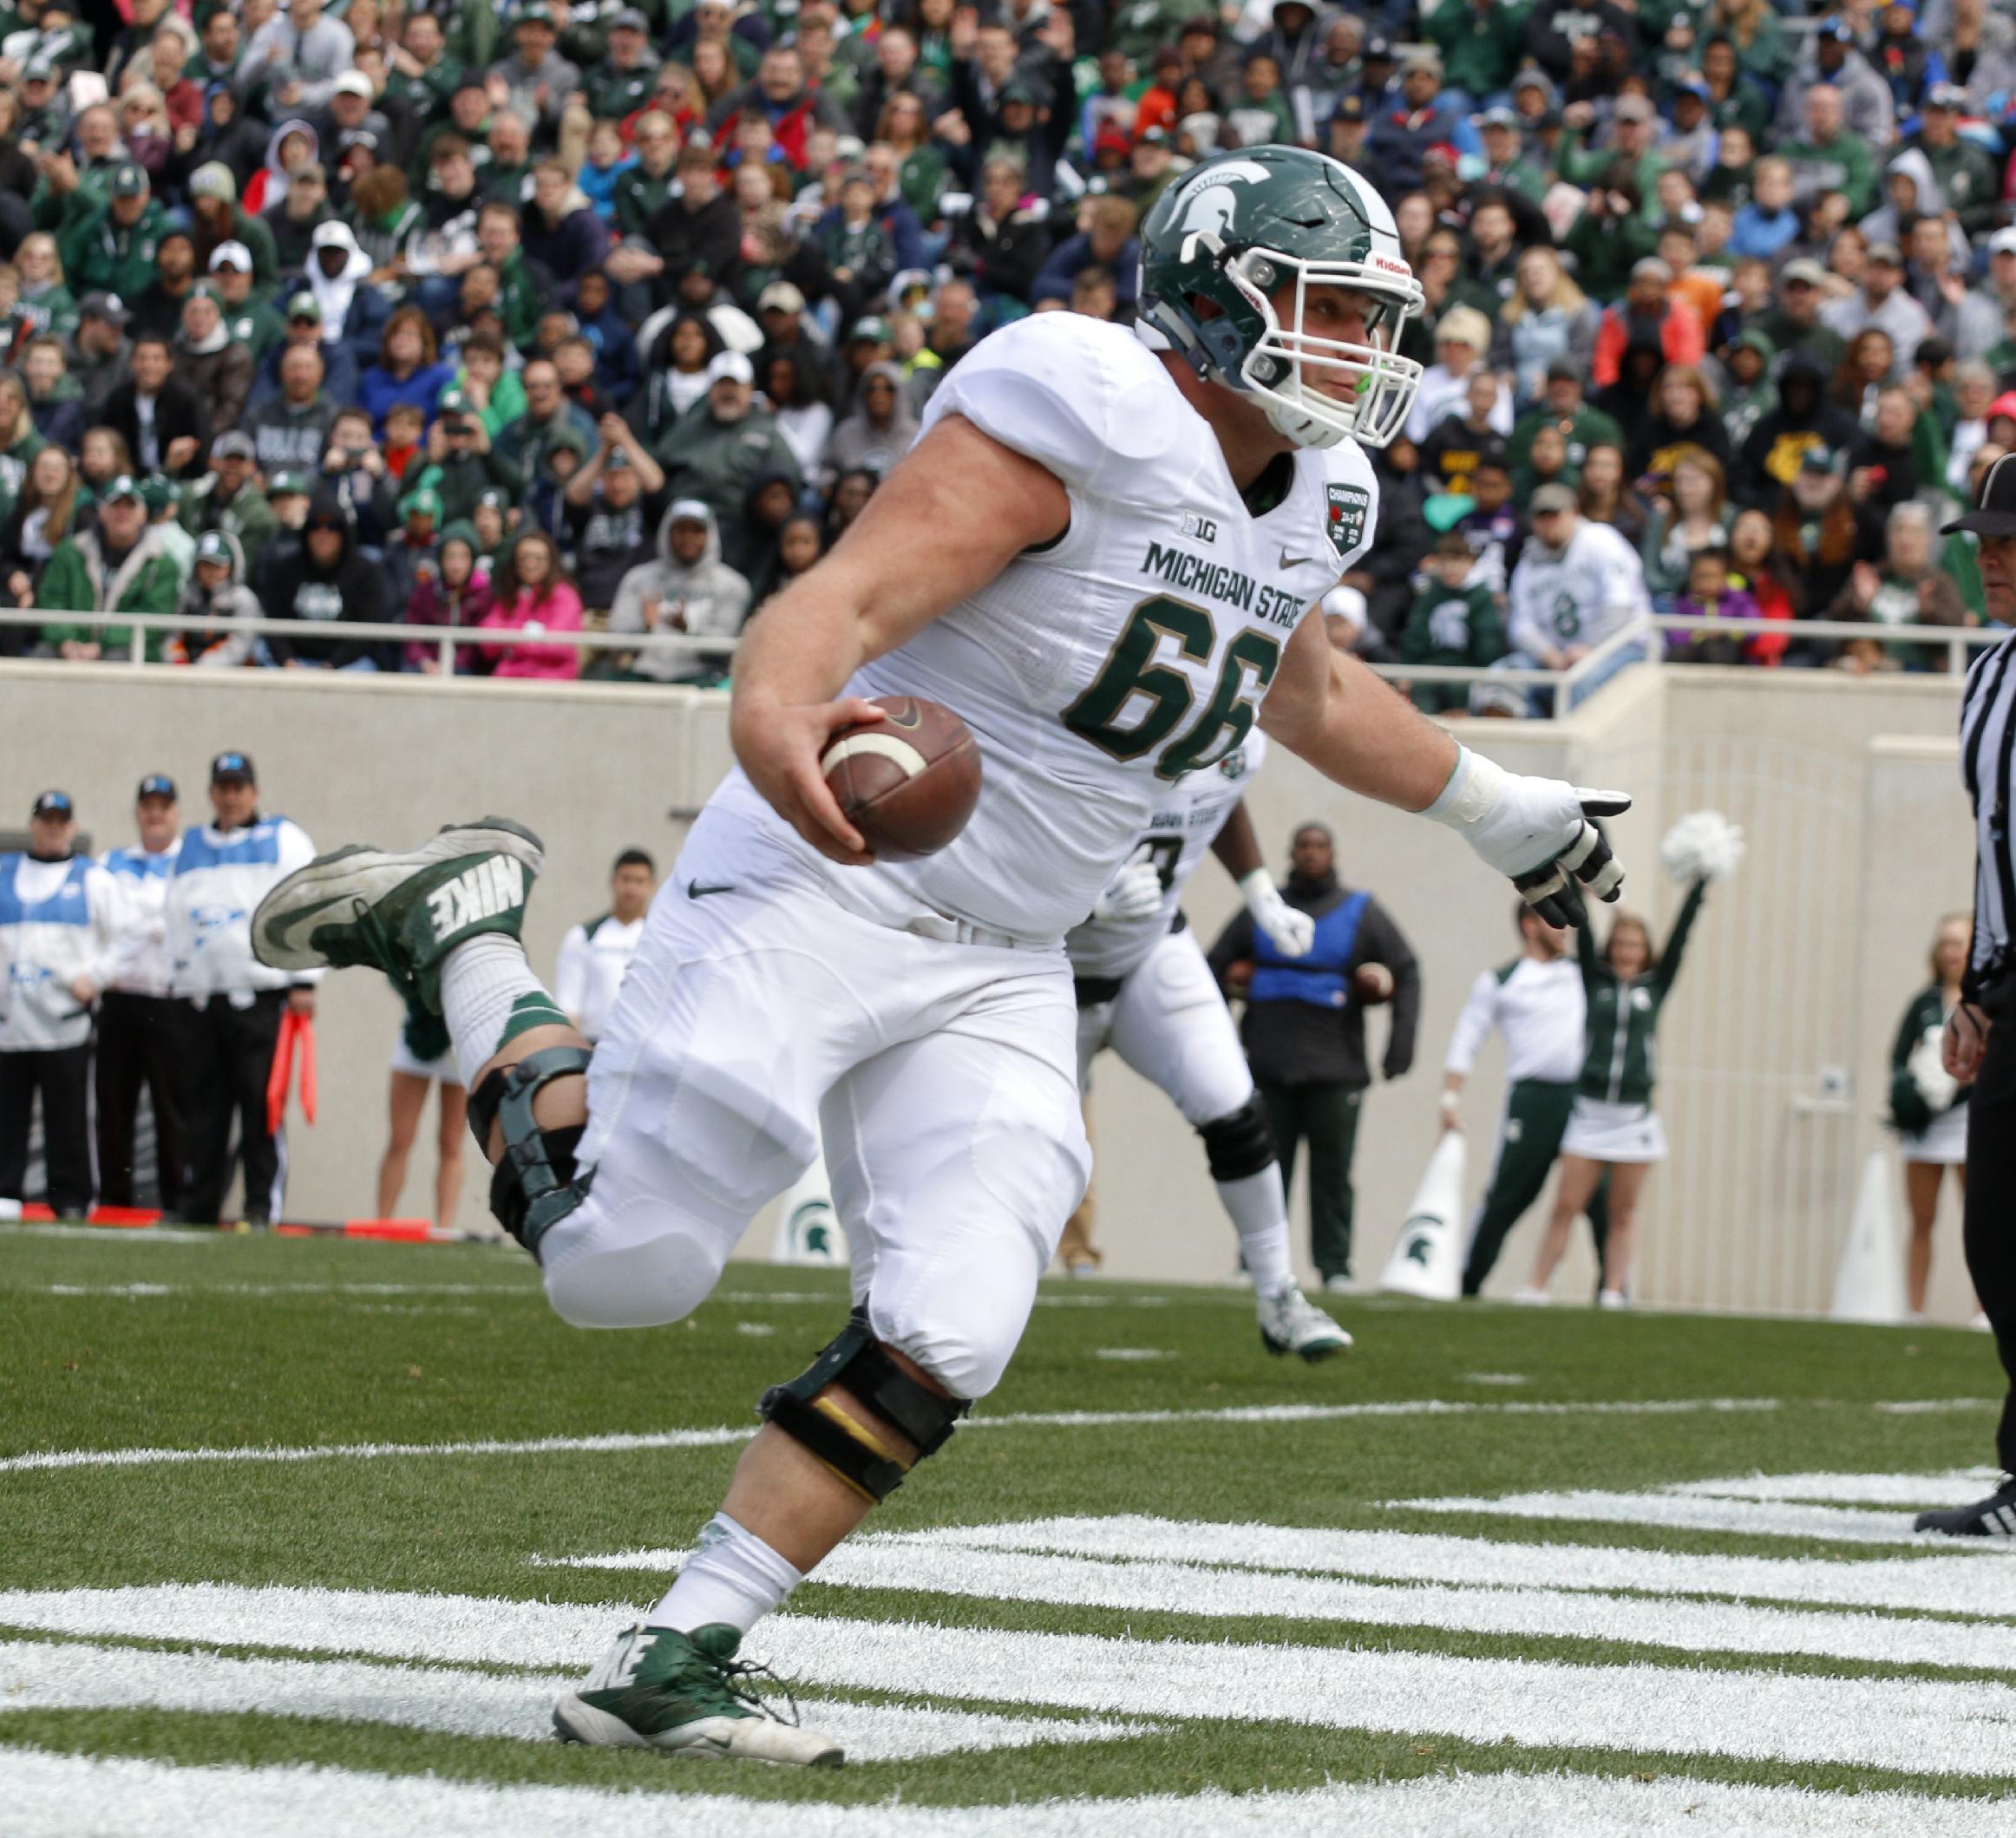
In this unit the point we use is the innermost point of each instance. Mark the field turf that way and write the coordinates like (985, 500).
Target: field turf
(1499, 1570)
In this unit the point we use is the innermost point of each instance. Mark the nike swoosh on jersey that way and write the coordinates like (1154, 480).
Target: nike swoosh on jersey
(1294, 561)
(696, 891)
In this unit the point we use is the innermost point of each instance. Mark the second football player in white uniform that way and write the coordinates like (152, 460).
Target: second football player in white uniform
(1144, 990)
(1101, 556)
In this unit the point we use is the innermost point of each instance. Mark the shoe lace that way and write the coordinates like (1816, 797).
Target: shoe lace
(732, 1671)
(368, 923)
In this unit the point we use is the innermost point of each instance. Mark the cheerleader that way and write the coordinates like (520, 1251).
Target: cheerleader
(423, 1056)
(1927, 1108)
(1614, 1128)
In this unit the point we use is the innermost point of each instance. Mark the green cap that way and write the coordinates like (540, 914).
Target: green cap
(130, 181)
(289, 485)
(425, 500)
(125, 485)
(304, 305)
(159, 494)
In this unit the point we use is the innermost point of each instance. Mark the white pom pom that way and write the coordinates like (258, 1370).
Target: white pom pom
(1703, 846)
(1935, 1084)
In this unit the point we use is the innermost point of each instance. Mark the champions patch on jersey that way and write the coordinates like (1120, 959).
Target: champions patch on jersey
(1350, 505)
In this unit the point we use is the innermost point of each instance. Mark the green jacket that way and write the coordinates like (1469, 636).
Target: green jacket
(461, 482)
(1968, 180)
(1622, 1058)
(1584, 165)
(1451, 625)
(1908, 1110)
(247, 517)
(1843, 165)
(519, 300)
(256, 325)
(1605, 249)
(147, 581)
(613, 94)
(257, 235)
(54, 311)
(639, 198)
(716, 461)
(1481, 47)
(1588, 428)
(100, 257)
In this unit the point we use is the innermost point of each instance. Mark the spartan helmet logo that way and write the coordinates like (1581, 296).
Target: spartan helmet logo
(1208, 206)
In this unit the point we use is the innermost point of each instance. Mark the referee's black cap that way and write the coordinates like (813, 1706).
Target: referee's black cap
(1995, 511)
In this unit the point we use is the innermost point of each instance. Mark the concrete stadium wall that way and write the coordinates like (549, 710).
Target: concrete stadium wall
(1774, 1055)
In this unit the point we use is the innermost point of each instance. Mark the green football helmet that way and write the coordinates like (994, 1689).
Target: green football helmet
(1227, 235)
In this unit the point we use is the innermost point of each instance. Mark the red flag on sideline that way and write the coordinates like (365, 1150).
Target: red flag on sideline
(296, 1036)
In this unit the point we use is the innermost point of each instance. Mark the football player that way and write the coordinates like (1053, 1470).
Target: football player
(1100, 553)
(1144, 990)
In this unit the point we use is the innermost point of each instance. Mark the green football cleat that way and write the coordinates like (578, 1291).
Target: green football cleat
(679, 1694)
(400, 913)
(1291, 1323)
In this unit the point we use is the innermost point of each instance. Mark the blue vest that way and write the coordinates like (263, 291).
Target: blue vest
(139, 865)
(68, 906)
(1318, 977)
(258, 843)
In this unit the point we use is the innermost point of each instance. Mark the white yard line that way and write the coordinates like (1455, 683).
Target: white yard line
(1176, 1588)
(1955, 1486)
(1934, 1584)
(80, 1796)
(44, 1675)
(1757, 1519)
(148, 1290)
(1911, 1725)
(66, 1458)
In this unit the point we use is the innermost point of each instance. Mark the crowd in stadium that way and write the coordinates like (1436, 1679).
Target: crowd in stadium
(527, 318)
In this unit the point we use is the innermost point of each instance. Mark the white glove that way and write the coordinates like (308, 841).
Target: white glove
(1293, 931)
(1134, 893)
(1537, 831)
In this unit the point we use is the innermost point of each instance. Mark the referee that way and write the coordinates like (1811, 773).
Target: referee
(1980, 1045)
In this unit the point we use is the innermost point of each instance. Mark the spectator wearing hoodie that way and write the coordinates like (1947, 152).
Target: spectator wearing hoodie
(295, 219)
(457, 592)
(121, 565)
(292, 146)
(879, 431)
(689, 589)
(780, 95)
(234, 502)
(530, 595)
(325, 585)
(412, 553)
(354, 313)
(216, 603)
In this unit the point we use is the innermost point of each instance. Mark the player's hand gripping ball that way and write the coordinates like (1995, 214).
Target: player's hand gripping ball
(908, 784)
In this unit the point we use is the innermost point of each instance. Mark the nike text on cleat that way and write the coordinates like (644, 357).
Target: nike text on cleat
(400, 912)
(1994, 1517)
(684, 1694)
(1291, 1323)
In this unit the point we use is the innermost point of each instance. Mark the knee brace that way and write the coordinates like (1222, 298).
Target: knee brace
(855, 1361)
(533, 1186)
(1238, 1145)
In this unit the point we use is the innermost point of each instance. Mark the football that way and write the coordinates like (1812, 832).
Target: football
(1371, 984)
(908, 784)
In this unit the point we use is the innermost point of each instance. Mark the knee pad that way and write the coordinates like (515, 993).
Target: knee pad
(857, 1361)
(533, 1186)
(1239, 1145)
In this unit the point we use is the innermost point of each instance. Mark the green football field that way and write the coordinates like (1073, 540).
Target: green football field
(309, 1534)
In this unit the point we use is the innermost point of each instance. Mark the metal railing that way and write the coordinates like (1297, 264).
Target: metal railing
(1956, 640)
(446, 639)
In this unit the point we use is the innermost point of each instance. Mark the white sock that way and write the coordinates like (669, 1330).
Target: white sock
(733, 1576)
(484, 987)
(1260, 1210)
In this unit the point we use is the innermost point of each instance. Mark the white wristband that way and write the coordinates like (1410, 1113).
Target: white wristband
(1474, 785)
(1451, 1102)
(1255, 885)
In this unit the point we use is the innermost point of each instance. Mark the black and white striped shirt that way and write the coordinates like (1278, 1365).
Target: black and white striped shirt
(1987, 740)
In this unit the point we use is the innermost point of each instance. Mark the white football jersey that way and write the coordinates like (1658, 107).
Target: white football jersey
(1178, 837)
(1097, 672)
